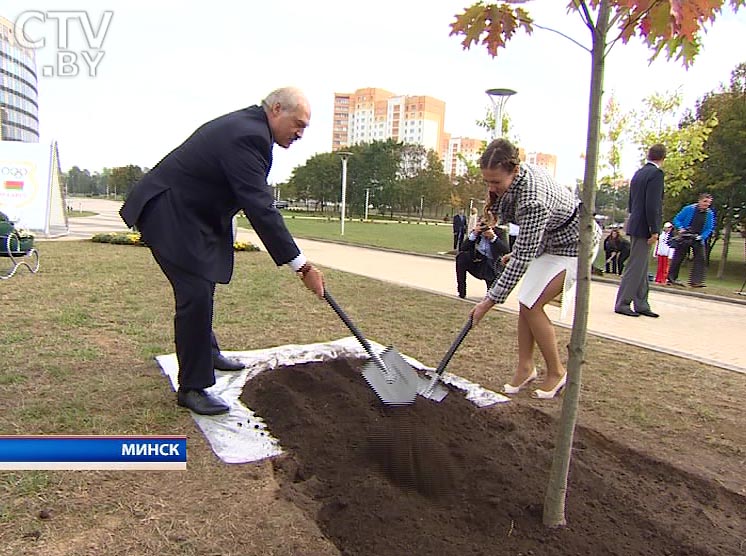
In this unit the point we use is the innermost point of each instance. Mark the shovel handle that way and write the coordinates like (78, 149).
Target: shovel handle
(354, 329)
(454, 346)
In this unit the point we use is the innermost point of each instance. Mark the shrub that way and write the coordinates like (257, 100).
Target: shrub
(244, 246)
(119, 238)
(134, 238)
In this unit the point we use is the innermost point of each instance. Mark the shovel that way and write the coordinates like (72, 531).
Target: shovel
(391, 377)
(434, 390)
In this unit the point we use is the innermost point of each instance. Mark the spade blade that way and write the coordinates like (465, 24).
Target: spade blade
(432, 389)
(397, 384)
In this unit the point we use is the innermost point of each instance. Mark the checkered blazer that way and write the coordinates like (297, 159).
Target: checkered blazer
(548, 216)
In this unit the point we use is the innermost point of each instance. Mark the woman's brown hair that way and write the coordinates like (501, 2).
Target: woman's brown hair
(501, 153)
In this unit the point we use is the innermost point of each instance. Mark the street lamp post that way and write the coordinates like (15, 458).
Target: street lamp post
(345, 155)
(499, 97)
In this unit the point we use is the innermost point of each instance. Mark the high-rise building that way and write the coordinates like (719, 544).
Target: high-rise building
(459, 151)
(372, 114)
(360, 117)
(546, 161)
(340, 127)
(19, 105)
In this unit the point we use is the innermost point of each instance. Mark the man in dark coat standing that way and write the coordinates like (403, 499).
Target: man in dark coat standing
(480, 254)
(184, 208)
(459, 228)
(645, 218)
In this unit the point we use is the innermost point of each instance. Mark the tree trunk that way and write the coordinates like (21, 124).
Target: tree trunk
(554, 501)
(726, 243)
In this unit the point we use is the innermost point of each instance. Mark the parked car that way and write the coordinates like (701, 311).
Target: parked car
(281, 204)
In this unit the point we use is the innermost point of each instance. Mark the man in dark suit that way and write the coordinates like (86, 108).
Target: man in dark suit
(459, 228)
(480, 255)
(645, 218)
(184, 209)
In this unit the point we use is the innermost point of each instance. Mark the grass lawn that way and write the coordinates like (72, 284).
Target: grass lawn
(413, 237)
(78, 341)
(431, 239)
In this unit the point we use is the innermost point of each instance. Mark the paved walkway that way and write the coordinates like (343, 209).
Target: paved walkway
(698, 328)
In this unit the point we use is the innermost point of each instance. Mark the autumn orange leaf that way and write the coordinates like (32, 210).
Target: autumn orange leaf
(673, 26)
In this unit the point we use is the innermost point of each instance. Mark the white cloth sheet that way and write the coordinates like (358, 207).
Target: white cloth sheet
(241, 436)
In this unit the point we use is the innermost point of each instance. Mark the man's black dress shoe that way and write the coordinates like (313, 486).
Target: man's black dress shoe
(648, 313)
(222, 363)
(200, 402)
(626, 311)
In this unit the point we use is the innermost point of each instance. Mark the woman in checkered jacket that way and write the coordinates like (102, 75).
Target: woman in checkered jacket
(544, 255)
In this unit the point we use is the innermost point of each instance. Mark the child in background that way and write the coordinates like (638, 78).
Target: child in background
(663, 253)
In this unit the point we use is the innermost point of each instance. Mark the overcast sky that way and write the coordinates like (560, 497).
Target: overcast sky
(170, 66)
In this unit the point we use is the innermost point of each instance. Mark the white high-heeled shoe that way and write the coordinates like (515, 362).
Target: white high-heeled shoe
(510, 389)
(549, 394)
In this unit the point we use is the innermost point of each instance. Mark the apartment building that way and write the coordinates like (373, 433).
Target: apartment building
(373, 114)
(459, 151)
(546, 161)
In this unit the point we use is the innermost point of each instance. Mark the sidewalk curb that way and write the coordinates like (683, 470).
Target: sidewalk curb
(676, 291)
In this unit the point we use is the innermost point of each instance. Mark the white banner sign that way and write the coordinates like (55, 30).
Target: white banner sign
(25, 183)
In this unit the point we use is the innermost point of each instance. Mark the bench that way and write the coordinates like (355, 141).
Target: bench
(19, 250)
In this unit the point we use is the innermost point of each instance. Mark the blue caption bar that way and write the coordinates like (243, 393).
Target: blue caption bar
(93, 449)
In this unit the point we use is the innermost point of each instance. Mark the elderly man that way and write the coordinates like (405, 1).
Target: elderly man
(184, 209)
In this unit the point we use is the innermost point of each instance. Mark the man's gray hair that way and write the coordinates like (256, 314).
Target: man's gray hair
(289, 99)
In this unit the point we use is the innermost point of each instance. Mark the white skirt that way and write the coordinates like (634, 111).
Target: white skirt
(541, 271)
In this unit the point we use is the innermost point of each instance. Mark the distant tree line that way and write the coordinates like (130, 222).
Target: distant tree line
(110, 182)
(397, 178)
(705, 148)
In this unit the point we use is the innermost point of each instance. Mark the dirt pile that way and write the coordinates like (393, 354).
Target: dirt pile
(453, 479)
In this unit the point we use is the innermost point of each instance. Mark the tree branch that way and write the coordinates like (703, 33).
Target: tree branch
(586, 16)
(561, 35)
(631, 22)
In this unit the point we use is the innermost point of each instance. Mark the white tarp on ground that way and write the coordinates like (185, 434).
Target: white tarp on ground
(240, 436)
(31, 189)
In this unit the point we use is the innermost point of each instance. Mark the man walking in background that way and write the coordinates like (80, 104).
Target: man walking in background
(459, 229)
(645, 217)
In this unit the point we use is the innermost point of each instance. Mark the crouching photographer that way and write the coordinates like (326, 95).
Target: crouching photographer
(694, 224)
(481, 252)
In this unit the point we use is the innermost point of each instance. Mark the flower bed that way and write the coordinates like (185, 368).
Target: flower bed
(134, 238)
(119, 238)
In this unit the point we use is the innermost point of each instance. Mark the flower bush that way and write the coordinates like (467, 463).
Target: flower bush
(119, 238)
(244, 246)
(134, 238)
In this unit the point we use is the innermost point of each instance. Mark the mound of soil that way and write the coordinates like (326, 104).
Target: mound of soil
(452, 479)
